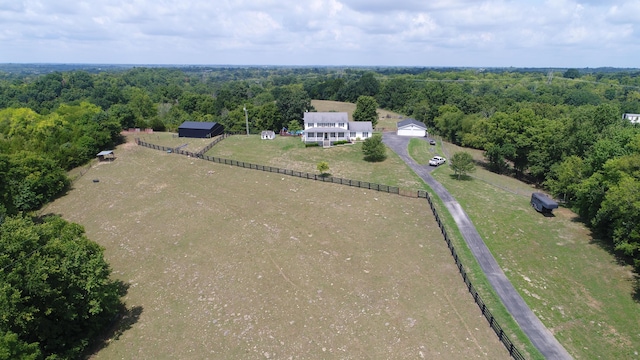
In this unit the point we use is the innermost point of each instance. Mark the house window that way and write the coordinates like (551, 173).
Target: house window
(352, 134)
(341, 125)
(333, 135)
(311, 135)
(365, 134)
(341, 135)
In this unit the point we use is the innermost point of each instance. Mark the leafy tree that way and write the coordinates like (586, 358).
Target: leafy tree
(141, 105)
(619, 214)
(366, 85)
(374, 149)
(12, 348)
(462, 163)
(55, 287)
(323, 167)
(292, 101)
(33, 180)
(294, 126)
(571, 74)
(366, 110)
(449, 122)
(123, 115)
(495, 155)
(565, 176)
(268, 118)
(395, 94)
(157, 124)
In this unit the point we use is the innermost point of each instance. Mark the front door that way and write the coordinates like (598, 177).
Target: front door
(326, 136)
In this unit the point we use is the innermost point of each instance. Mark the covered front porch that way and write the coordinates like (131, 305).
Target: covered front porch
(325, 136)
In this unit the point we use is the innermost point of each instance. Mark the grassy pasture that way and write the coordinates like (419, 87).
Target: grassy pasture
(387, 120)
(346, 161)
(421, 151)
(578, 289)
(349, 164)
(172, 140)
(230, 263)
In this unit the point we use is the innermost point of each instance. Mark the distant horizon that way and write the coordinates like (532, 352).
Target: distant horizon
(566, 34)
(305, 66)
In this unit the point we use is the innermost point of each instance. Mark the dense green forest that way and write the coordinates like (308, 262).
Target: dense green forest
(561, 129)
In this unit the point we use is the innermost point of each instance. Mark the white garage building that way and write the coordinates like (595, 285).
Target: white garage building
(412, 127)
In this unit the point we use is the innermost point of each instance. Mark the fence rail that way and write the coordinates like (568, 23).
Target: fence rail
(502, 336)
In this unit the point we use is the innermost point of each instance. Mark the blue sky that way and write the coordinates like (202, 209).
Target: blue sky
(555, 33)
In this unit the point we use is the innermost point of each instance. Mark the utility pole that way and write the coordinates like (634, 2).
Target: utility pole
(246, 118)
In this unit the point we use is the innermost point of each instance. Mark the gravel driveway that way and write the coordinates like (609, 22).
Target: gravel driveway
(539, 335)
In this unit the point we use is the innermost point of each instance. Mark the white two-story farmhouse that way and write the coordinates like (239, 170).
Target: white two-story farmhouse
(327, 127)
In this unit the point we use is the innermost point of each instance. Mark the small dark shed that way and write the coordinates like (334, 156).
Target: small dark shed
(542, 203)
(195, 129)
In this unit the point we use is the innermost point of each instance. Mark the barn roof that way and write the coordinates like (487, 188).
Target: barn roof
(197, 125)
(411, 122)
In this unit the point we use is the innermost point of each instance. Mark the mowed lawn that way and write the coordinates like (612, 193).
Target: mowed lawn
(578, 289)
(345, 161)
(231, 263)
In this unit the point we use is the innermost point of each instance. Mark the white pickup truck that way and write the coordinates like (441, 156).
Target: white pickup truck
(437, 160)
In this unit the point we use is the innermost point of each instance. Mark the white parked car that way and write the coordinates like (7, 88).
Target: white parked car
(437, 160)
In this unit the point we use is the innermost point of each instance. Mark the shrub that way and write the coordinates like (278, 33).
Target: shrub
(374, 149)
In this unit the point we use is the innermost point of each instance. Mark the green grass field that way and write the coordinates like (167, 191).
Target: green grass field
(578, 289)
(346, 161)
(421, 151)
(231, 263)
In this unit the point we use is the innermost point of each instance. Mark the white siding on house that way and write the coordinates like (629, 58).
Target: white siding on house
(334, 126)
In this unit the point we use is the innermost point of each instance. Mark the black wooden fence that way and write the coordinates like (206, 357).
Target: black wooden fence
(513, 351)
(211, 144)
(247, 165)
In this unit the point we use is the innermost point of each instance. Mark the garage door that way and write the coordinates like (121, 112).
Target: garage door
(411, 131)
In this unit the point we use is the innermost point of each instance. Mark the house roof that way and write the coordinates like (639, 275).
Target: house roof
(360, 126)
(315, 117)
(197, 125)
(105, 152)
(410, 121)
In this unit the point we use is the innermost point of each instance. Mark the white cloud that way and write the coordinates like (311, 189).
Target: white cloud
(358, 32)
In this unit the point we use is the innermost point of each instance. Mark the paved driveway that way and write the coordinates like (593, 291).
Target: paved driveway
(539, 335)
